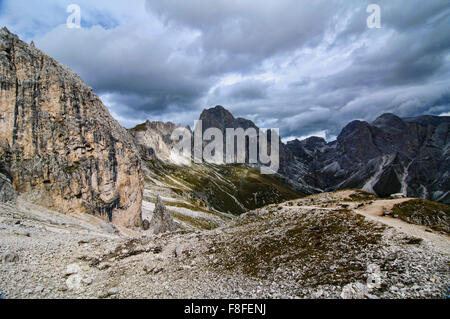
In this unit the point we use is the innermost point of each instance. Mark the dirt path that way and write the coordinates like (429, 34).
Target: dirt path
(375, 211)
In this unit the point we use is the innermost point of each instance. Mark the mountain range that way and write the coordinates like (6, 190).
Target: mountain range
(389, 156)
(61, 147)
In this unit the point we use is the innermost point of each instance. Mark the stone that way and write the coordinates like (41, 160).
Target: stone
(72, 269)
(28, 291)
(39, 289)
(374, 276)
(74, 282)
(152, 269)
(435, 279)
(146, 224)
(88, 281)
(354, 291)
(7, 191)
(10, 258)
(370, 296)
(161, 221)
(103, 294)
(104, 266)
(113, 291)
(178, 252)
(22, 233)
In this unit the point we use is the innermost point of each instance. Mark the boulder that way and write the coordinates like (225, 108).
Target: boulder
(354, 291)
(161, 221)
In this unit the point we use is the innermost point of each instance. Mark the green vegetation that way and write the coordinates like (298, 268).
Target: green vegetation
(325, 245)
(362, 196)
(233, 189)
(424, 212)
(198, 223)
(186, 205)
(140, 128)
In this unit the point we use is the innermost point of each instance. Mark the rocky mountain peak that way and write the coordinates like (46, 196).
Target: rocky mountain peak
(354, 128)
(154, 139)
(389, 121)
(314, 142)
(218, 117)
(5, 33)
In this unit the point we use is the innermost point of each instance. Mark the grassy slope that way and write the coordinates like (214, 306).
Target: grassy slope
(232, 189)
(424, 212)
(305, 244)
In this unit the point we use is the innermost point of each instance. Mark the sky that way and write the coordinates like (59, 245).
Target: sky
(305, 67)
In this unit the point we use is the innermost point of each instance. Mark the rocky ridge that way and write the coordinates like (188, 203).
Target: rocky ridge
(391, 155)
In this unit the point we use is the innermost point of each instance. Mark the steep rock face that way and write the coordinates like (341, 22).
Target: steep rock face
(65, 150)
(161, 221)
(391, 155)
(154, 141)
(219, 117)
(7, 191)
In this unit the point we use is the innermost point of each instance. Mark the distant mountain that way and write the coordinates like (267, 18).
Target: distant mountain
(202, 195)
(391, 155)
(154, 141)
(219, 117)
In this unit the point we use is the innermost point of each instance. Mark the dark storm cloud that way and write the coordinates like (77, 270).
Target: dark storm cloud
(243, 91)
(388, 69)
(240, 34)
(307, 67)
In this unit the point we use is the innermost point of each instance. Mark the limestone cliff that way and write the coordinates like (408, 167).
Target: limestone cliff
(60, 145)
(154, 140)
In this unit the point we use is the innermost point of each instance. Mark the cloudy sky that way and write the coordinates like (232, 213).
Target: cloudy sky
(306, 67)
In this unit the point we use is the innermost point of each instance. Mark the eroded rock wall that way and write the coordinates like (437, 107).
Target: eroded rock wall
(65, 150)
